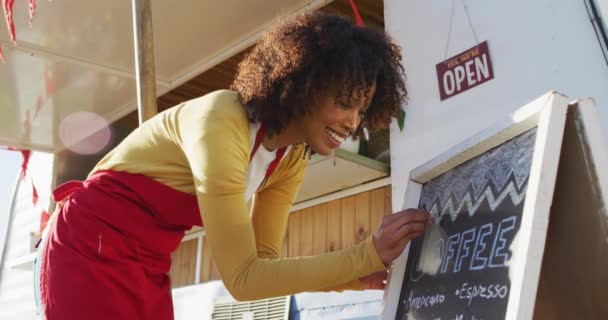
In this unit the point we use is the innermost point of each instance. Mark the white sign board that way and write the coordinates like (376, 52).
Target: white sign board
(491, 196)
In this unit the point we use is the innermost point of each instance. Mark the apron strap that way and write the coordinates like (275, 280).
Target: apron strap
(259, 137)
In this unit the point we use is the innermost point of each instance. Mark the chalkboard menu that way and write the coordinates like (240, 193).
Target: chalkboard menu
(460, 268)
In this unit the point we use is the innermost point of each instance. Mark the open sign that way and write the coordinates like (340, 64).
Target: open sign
(464, 71)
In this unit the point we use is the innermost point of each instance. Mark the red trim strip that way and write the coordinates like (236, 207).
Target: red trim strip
(356, 13)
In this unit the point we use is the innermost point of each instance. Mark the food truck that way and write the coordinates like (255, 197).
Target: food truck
(68, 94)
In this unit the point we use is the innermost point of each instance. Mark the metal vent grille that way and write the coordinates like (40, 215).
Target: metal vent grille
(267, 309)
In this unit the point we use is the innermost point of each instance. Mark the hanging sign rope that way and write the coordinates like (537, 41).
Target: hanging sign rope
(467, 69)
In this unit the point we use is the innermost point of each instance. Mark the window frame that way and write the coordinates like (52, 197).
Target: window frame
(599, 19)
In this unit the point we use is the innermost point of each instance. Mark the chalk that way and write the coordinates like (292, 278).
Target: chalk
(431, 253)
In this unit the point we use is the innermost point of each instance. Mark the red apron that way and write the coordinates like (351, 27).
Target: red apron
(108, 250)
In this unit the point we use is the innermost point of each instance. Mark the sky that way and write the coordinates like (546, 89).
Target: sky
(10, 167)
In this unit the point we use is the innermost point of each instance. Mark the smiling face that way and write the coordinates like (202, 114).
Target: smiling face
(335, 119)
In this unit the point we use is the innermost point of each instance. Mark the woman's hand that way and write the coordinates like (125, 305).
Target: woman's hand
(374, 281)
(396, 230)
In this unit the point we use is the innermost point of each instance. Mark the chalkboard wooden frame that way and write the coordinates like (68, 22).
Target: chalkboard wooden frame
(574, 273)
(589, 134)
(548, 115)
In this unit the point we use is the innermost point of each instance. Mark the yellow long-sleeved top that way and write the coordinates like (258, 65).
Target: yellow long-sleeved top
(203, 147)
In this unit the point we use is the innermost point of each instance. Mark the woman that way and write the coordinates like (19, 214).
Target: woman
(311, 83)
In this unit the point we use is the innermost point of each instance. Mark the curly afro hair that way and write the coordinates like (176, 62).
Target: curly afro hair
(310, 54)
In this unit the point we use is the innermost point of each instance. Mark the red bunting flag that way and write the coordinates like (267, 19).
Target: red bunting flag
(26, 159)
(32, 10)
(44, 215)
(8, 15)
(44, 219)
(49, 83)
(7, 5)
(39, 104)
(34, 195)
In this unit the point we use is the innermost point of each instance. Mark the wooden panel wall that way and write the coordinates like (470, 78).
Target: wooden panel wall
(337, 224)
(183, 264)
(323, 228)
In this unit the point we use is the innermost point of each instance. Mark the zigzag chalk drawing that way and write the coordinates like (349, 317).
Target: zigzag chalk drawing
(470, 203)
(493, 176)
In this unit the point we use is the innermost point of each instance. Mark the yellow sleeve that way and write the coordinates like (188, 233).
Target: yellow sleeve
(270, 215)
(271, 209)
(216, 145)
